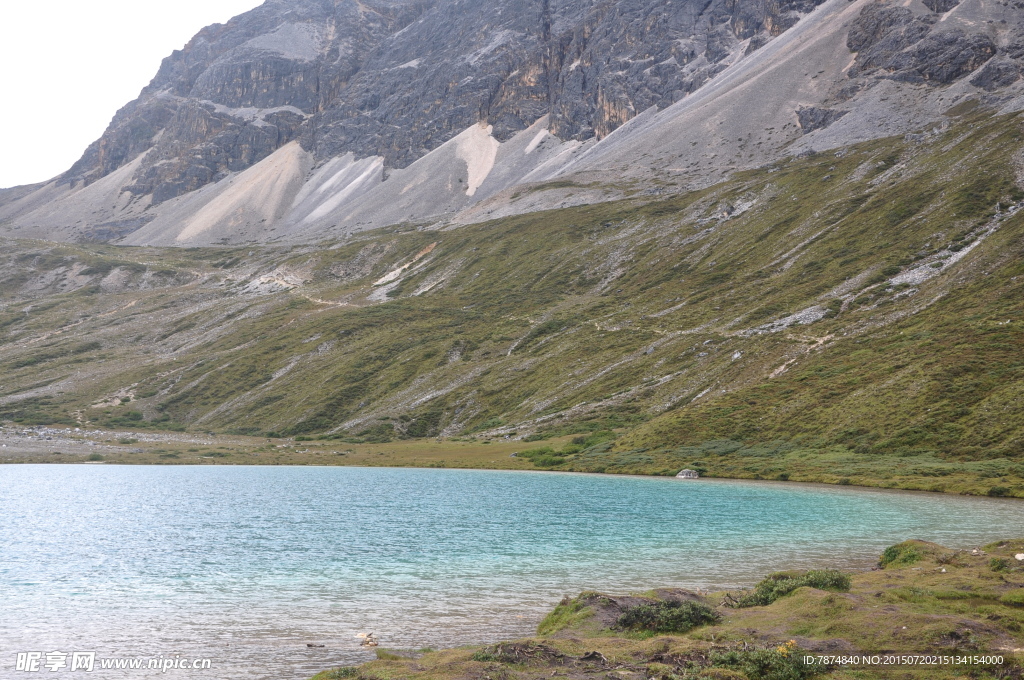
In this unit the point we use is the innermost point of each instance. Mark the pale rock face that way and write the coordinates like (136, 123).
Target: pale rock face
(478, 149)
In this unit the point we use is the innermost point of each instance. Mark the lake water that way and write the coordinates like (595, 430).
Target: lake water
(246, 565)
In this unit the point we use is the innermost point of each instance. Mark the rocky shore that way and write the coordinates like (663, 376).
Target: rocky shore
(925, 611)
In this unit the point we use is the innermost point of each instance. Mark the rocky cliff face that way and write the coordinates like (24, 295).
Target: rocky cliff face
(398, 78)
(309, 119)
(895, 43)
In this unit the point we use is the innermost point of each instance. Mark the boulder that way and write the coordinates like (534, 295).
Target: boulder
(997, 74)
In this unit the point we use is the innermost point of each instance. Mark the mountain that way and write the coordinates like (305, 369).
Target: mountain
(310, 119)
(809, 265)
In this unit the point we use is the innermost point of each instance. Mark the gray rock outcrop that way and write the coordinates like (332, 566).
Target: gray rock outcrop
(895, 43)
(813, 118)
(398, 78)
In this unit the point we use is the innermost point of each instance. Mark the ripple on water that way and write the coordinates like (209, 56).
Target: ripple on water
(245, 565)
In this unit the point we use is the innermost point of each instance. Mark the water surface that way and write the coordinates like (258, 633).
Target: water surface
(246, 565)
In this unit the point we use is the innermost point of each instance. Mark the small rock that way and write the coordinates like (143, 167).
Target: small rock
(813, 118)
(369, 639)
(1019, 557)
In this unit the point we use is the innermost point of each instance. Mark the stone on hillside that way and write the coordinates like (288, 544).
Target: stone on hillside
(941, 6)
(894, 28)
(905, 48)
(812, 118)
(944, 57)
(997, 73)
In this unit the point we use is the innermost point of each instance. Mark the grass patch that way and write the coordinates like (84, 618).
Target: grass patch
(569, 612)
(900, 554)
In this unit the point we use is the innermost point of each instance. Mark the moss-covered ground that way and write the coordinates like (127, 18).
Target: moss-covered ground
(925, 600)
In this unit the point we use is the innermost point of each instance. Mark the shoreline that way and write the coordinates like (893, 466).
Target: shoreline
(39, 445)
(921, 599)
(722, 480)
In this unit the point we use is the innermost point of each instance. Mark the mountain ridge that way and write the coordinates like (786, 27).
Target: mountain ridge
(638, 97)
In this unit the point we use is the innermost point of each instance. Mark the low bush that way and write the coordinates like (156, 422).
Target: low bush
(780, 584)
(542, 457)
(669, 616)
(779, 663)
(999, 564)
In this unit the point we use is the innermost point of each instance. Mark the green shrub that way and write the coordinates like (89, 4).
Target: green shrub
(780, 584)
(599, 437)
(828, 579)
(95, 457)
(899, 554)
(999, 564)
(381, 433)
(548, 461)
(780, 663)
(542, 457)
(669, 616)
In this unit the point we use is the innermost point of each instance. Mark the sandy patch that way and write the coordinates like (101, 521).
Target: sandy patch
(478, 149)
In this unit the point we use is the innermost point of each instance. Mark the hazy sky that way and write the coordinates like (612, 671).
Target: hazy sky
(66, 67)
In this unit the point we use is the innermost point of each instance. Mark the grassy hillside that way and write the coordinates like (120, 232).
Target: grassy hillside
(849, 317)
(924, 600)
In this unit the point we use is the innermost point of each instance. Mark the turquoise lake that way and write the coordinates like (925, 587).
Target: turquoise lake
(246, 565)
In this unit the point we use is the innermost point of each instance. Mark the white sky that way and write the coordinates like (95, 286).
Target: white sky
(67, 65)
